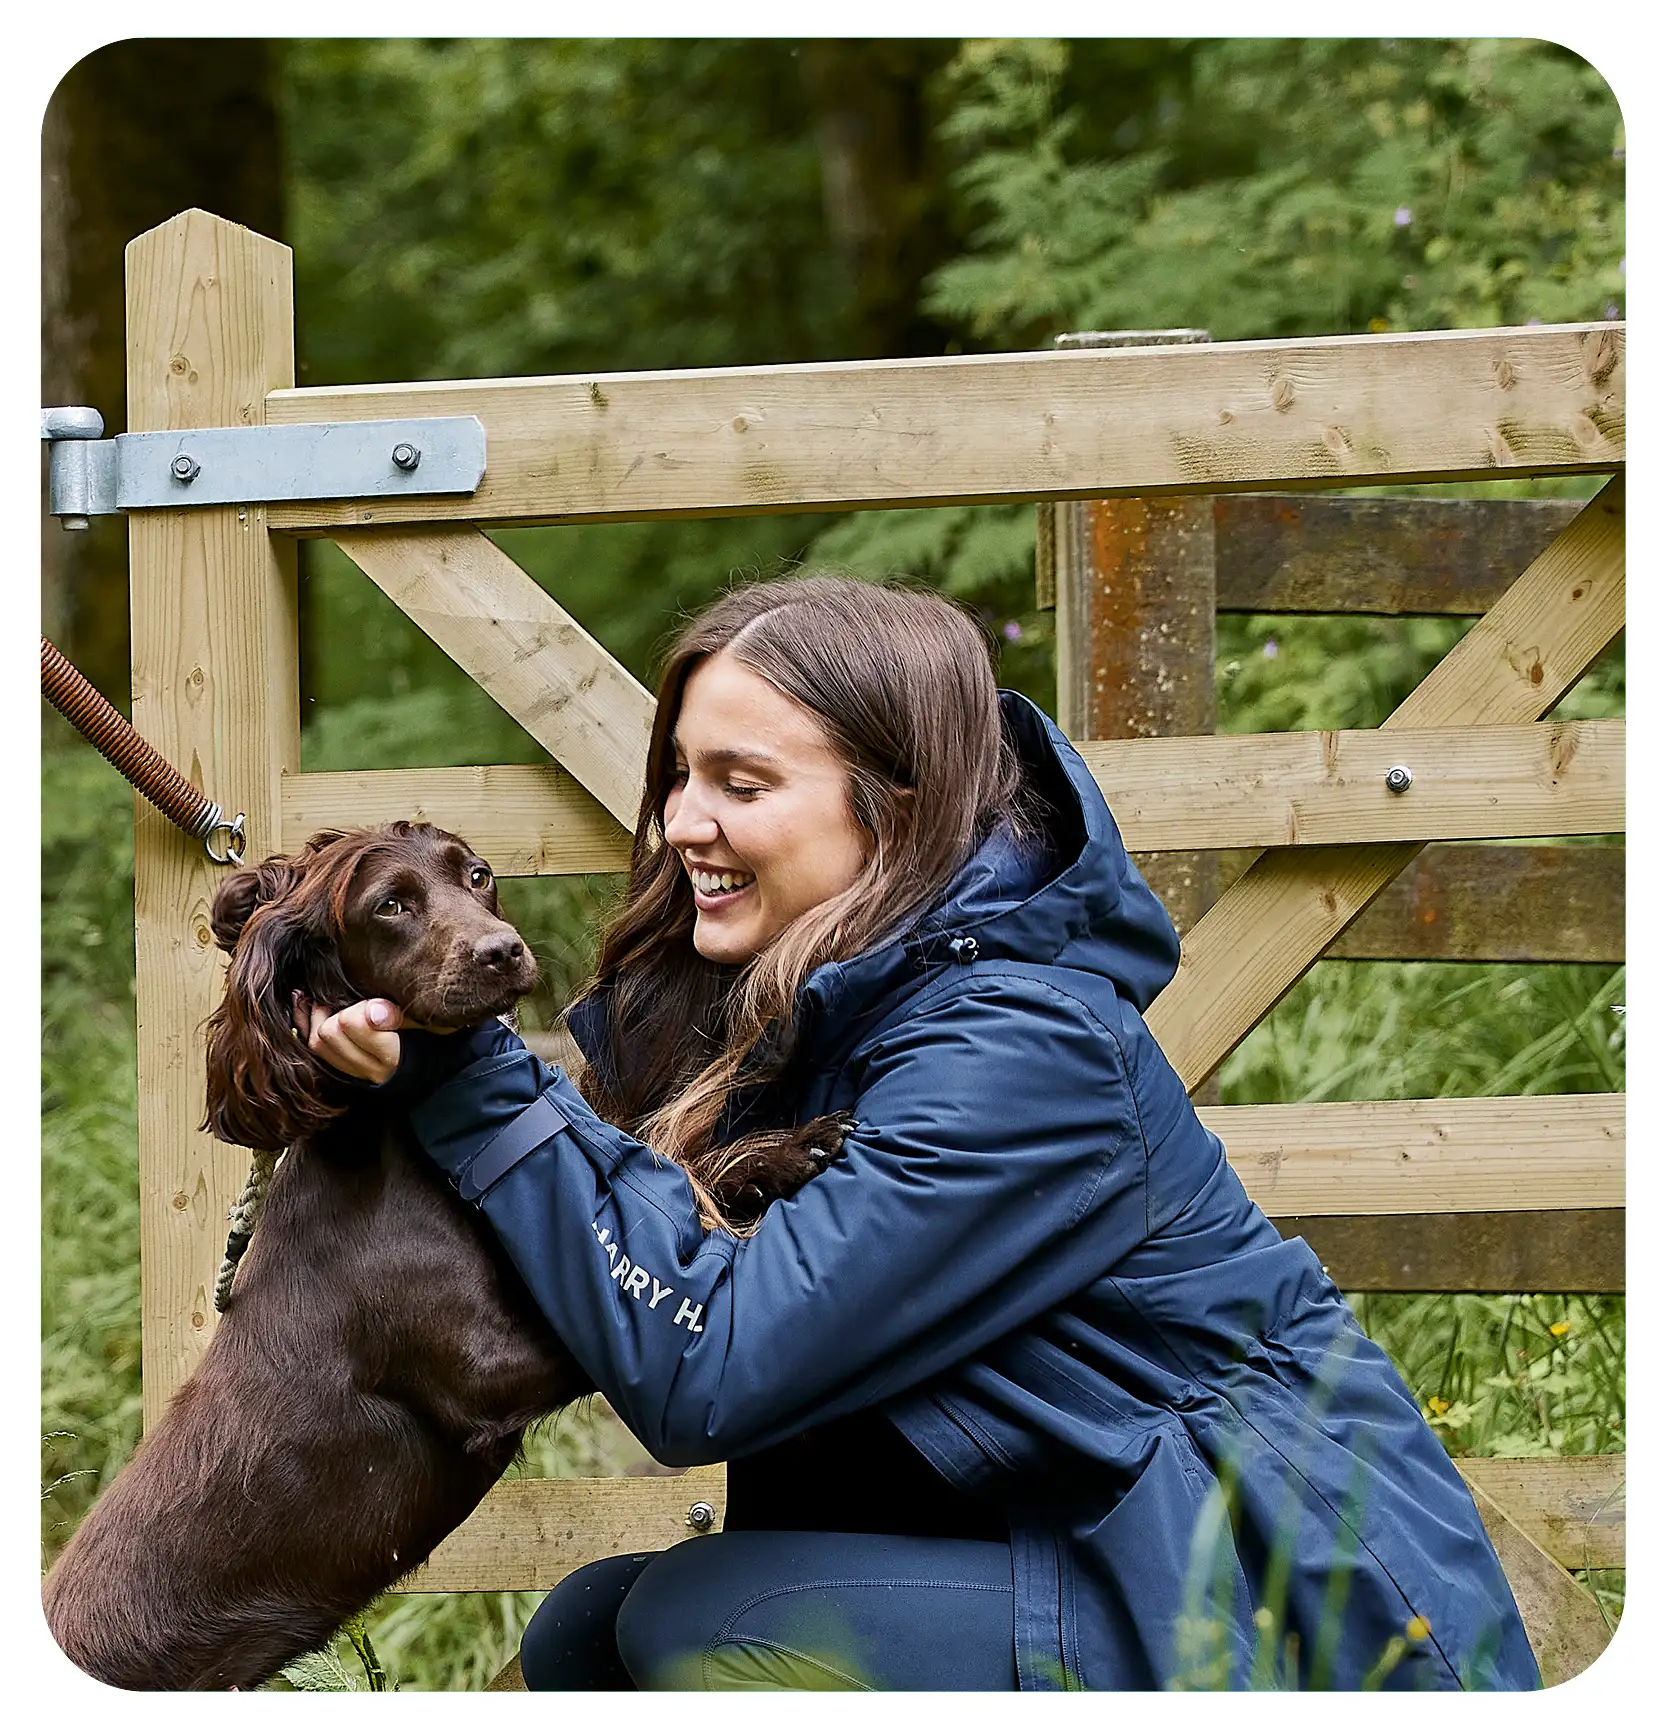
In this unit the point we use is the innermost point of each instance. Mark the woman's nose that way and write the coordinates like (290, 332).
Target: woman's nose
(688, 820)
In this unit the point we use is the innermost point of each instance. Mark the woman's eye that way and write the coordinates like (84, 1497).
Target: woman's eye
(736, 791)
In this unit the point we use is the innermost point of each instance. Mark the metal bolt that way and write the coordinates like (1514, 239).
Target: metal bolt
(1398, 779)
(185, 469)
(407, 456)
(703, 1516)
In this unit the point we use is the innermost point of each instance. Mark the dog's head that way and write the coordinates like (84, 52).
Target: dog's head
(405, 911)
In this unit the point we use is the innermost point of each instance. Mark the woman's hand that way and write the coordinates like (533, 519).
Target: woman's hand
(361, 1040)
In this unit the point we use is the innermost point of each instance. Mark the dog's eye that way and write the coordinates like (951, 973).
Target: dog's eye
(479, 877)
(392, 907)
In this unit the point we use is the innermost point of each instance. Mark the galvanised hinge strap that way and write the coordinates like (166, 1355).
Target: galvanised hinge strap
(90, 476)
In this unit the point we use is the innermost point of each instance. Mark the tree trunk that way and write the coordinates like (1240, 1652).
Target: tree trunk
(883, 182)
(135, 133)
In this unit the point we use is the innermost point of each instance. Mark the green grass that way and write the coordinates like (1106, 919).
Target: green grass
(1505, 1375)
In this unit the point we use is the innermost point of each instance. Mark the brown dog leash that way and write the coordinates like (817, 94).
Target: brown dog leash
(113, 737)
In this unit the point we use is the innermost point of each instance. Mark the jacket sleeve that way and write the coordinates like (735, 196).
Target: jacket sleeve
(997, 1166)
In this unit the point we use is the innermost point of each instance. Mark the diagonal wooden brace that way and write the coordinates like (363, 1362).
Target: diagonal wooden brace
(1512, 667)
(528, 655)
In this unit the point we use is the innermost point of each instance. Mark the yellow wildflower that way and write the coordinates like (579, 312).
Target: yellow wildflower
(1558, 1329)
(1439, 1407)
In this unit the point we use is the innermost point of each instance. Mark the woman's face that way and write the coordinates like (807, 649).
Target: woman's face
(759, 810)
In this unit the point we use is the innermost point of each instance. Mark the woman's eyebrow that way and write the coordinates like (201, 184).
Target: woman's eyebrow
(726, 756)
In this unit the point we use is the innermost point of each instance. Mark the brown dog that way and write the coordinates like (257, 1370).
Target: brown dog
(379, 1361)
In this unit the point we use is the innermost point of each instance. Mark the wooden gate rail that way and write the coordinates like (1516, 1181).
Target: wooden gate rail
(1390, 557)
(211, 343)
(982, 428)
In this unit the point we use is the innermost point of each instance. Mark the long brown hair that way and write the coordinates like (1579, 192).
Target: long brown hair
(901, 683)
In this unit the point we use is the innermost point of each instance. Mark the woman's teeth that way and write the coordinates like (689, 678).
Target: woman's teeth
(719, 882)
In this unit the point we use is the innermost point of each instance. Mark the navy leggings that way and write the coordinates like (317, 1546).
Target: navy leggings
(821, 1611)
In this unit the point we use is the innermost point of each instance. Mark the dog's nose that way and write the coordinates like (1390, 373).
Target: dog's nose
(501, 952)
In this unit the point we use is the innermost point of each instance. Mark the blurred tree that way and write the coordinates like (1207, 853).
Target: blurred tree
(883, 187)
(134, 133)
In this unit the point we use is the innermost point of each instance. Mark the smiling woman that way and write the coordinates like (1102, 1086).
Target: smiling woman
(1110, 1429)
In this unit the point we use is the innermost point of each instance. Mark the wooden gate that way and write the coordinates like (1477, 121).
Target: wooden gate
(210, 339)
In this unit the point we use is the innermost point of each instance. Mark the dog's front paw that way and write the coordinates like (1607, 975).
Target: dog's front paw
(771, 1166)
(824, 1138)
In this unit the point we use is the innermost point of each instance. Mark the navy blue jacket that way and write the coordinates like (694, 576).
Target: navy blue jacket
(1036, 1261)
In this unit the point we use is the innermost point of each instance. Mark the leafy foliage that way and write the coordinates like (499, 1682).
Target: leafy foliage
(1299, 187)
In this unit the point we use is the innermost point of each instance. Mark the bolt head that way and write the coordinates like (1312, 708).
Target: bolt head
(184, 468)
(703, 1516)
(1398, 779)
(407, 456)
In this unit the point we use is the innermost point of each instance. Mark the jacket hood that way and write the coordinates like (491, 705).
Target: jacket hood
(1065, 892)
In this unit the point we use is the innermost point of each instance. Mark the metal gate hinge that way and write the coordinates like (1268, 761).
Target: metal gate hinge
(94, 476)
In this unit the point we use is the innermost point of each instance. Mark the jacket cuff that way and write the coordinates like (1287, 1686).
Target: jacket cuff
(429, 1060)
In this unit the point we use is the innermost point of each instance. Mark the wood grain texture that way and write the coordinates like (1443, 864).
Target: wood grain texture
(1574, 1507)
(1428, 1155)
(523, 650)
(1565, 1626)
(1326, 788)
(209, 334)
(1575, 1249)
(523, 819)
(1307, 553)
(1326, 411)
(1512, 667)
(1497, 903)
(532, 1532)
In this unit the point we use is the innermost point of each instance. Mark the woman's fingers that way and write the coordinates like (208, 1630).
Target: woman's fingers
(361, 1040)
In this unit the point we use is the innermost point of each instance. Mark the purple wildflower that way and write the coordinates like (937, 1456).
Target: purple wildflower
(1270, 649)
(1403, 216)
(1012, 630)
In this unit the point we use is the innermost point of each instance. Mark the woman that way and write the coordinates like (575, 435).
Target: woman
(1021, 1391)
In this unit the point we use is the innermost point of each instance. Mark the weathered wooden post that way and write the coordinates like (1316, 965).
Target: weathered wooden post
(1133, 584)
(210, 330)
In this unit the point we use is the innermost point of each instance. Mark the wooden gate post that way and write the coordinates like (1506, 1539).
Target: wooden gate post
(1134, 583)
(210, 330)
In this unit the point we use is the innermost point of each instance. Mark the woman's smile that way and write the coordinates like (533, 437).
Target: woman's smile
(718, 888)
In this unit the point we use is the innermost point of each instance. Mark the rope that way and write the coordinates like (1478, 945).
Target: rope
(244, 1216)
(108, 731)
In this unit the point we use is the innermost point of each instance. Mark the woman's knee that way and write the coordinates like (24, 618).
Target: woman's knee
(671, 1614)
(569, 1644)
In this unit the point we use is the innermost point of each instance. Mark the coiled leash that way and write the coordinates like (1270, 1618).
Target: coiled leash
(150, 773)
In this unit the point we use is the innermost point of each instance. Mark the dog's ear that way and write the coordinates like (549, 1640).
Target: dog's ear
(244, 890)
(265, 1088)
